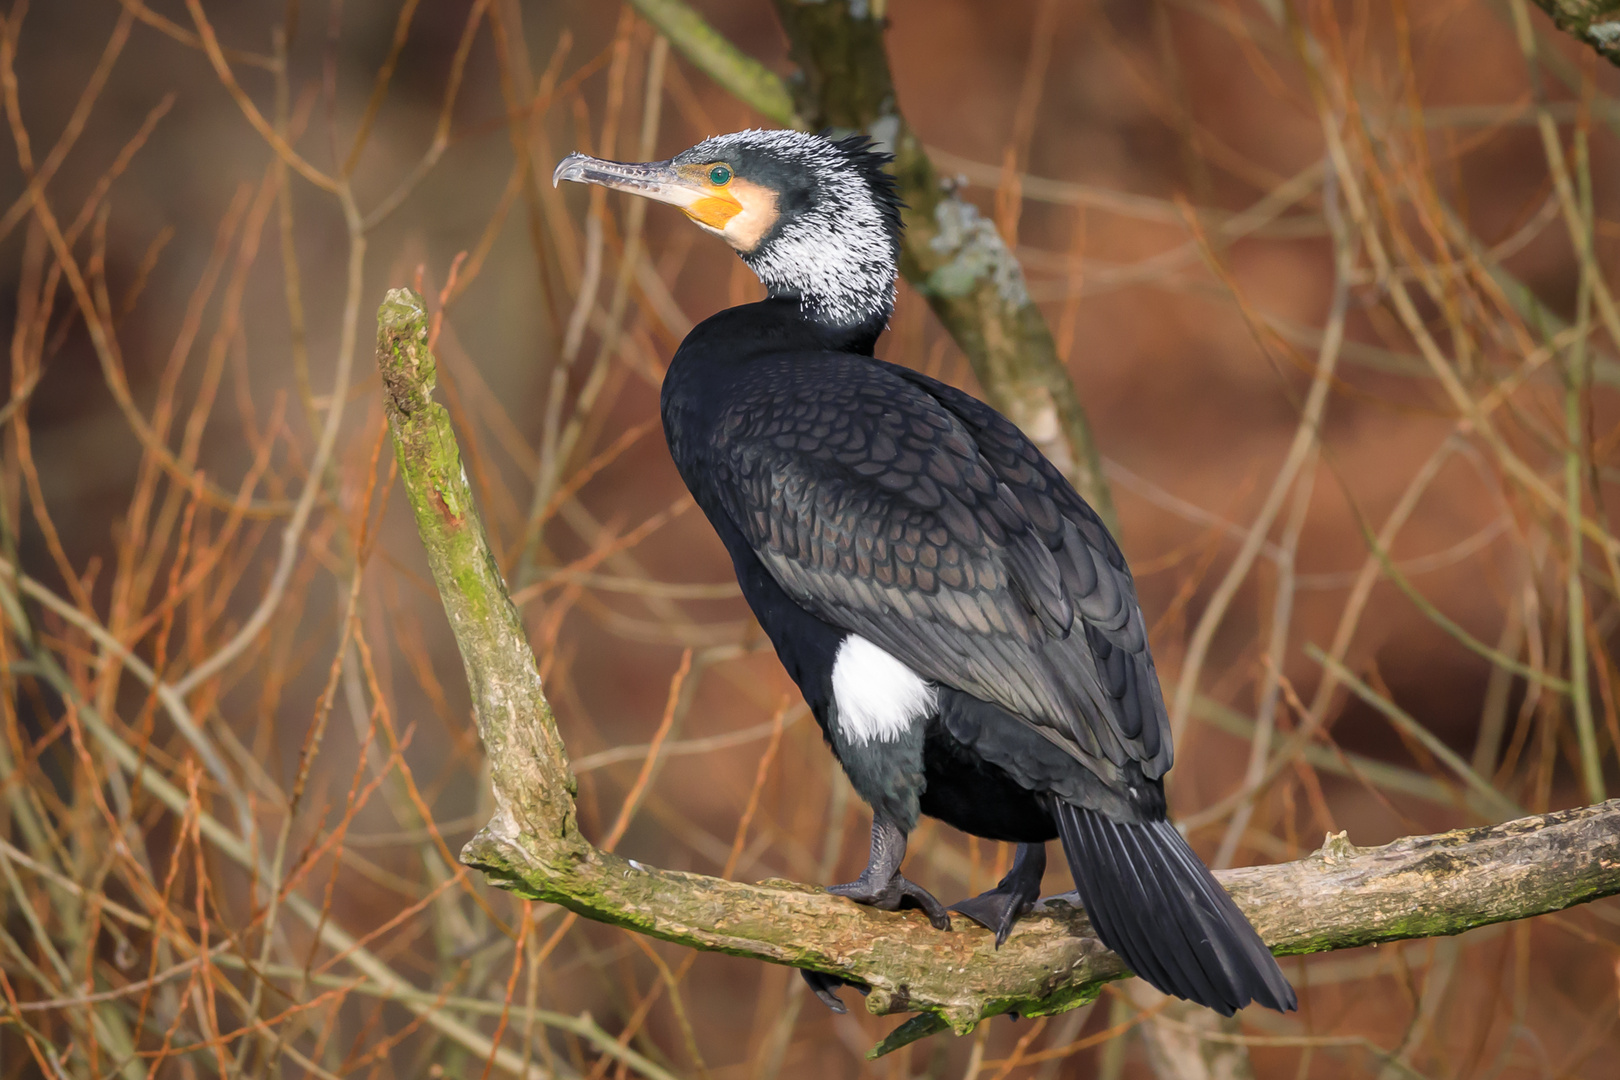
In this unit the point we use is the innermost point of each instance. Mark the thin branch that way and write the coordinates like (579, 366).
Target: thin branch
(1304, 444)
(292, 535)
(739, 74)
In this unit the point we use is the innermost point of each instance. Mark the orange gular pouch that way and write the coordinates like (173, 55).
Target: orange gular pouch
(713, 210)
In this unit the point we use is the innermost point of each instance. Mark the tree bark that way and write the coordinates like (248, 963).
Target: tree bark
(1596, 22)
(1340, 897)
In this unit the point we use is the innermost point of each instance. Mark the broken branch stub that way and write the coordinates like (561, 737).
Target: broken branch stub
(1340, 897)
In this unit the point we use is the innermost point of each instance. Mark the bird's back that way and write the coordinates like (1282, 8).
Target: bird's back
(895, 507)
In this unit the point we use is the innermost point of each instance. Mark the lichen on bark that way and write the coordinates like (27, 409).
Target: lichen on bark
(1596, 22)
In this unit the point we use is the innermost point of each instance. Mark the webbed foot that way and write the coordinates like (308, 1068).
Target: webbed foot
(1001, 907)
(892, 895)
(881, 885)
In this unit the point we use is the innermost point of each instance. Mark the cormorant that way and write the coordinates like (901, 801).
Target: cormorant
(959, 620)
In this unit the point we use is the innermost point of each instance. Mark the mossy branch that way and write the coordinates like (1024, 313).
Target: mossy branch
(952, 256)
(739, 74)
(1340, 897)
(1596, 22)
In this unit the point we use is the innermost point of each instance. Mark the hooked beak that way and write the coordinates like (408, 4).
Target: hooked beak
(661, 181)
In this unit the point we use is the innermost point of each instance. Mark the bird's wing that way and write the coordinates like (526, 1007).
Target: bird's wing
(873, 504)
(1095, 576)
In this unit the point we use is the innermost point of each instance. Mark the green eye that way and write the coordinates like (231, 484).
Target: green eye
(719, 176)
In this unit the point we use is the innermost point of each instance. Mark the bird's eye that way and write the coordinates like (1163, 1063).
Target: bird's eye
(719, 176)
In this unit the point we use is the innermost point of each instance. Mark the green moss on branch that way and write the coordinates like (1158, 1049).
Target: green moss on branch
(1596, 22)
(534, 789)
(739, 74)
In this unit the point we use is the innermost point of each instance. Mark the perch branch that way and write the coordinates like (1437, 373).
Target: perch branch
(951, 254)
(1340, 897)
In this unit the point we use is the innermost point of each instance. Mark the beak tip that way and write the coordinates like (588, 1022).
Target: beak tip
(569, 168)
(657, 180)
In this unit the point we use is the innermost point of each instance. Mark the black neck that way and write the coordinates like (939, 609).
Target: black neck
(859, 336)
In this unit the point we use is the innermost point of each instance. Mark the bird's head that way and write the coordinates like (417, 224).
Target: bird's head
(816, 218)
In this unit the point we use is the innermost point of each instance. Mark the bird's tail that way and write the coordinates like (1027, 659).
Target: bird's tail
(1155, 904)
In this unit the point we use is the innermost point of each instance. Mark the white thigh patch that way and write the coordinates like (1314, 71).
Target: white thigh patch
(878, 697)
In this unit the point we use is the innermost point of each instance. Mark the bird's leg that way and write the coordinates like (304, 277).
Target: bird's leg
(881, 885)
(1002, 906)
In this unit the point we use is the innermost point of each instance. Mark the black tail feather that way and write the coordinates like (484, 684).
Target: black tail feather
(1179, 941)
(1153, 902)
(1136, 938)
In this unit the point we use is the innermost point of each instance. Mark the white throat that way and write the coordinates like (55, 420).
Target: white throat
(842, 272)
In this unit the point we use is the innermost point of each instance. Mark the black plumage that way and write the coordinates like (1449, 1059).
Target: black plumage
(961, 623)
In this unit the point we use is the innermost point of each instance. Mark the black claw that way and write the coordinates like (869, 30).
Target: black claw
(881, 885)
(824, 987)
(922, 898)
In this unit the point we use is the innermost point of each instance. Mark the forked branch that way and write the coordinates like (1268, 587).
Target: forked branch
(1339, 897)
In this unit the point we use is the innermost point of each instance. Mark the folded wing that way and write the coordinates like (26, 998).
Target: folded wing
(897, 508)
